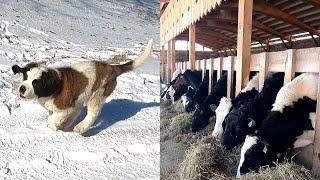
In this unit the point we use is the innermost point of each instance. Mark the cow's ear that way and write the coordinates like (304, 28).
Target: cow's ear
(17, 69)
(213, 107)
(251, 123)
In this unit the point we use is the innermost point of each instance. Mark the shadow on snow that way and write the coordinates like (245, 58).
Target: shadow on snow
(112, 112)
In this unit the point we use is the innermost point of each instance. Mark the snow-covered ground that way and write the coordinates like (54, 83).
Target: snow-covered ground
(124, 141)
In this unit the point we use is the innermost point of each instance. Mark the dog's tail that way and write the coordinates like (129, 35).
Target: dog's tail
(138, 61)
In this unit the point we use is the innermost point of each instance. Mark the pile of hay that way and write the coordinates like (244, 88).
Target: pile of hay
(207, 159)
(286, 170)
(173, 121)
(180, 124)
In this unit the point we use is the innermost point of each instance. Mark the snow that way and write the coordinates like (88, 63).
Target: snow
(124, 141)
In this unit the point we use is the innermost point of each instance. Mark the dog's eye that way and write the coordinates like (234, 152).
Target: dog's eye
(36, 83)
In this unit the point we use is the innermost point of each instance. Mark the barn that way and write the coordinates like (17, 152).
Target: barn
(243, 36)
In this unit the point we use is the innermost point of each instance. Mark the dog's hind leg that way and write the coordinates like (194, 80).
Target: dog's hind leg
(66, 125)
(94, 106)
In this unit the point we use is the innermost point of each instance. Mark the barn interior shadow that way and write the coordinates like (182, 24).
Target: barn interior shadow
(112, 112)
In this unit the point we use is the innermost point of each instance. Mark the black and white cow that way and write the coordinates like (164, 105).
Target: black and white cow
(188, 78)
(247, 118)
(226, 104)
(290, 124)
(199, 96)
(205, 110)
(180, 84)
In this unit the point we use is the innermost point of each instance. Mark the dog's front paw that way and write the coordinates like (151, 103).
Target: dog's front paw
(53, 126)
(80, 128)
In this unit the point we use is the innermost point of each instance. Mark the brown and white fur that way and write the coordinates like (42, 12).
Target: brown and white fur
(63, 91)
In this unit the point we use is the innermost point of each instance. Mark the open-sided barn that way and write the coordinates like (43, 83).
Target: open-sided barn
(244, 36)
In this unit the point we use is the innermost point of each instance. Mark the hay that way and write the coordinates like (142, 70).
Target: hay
(286, 170)
(180, 124)
(167, 116)
(206, 159)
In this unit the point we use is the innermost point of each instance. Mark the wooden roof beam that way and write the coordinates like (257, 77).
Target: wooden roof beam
(269, 30)
(277, 13)
(255, 24)
(233, 29)
(315, 3)
(211, 43)
(217, 35)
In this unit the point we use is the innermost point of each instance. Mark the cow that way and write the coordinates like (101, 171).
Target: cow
(290, 124)
(206, 109)
(187, 96)
(247, 118)
(199, 96)
(226, 104)
(179, 85)
(188, 78)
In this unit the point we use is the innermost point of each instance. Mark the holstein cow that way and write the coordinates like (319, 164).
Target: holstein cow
(187, 96)
(199, 96)
(206, 109)
(181, 84)
(248, 117)
(168, 93)
(226, 104)
(290, 124)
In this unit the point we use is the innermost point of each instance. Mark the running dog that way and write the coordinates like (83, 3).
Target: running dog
(63, 91)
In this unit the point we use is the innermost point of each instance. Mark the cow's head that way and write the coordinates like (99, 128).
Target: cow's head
(180, 86)
(254, 154)
(201, 117)
(221, 112)
(37, 81)
(236, 126)
(187, 98)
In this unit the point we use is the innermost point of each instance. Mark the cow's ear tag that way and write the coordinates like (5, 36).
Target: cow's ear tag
(265, 149)
(252, 123)
(213, 107)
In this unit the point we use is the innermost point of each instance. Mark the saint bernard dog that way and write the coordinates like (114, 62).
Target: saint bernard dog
(63, 91)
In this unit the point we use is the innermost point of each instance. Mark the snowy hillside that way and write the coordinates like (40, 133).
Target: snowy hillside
(124, 141)
(117, 23)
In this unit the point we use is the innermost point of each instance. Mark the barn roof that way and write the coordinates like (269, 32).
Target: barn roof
(277, 24)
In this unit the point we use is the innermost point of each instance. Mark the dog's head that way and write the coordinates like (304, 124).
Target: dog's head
(37, 81)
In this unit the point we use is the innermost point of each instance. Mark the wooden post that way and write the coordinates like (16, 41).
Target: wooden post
(165, 62)
(230, 76)
(204, 67)
(169, 51)
(162, 67)
(211, 70)
(192, 47)
(173, 56)
(289, 70)
(244, 42)
(219, 68)
(316, 144)
(263, 70)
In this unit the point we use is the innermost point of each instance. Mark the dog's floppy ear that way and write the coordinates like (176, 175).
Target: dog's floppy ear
(17, 69)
